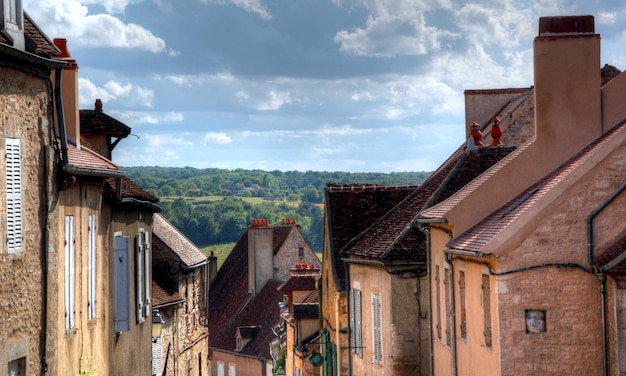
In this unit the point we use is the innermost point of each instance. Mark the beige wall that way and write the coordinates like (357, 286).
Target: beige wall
(245, 366)
(287, 256)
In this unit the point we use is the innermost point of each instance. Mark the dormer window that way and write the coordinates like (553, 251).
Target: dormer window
(13, 22)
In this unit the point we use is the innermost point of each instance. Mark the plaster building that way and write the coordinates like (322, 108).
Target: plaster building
(300, 321)
(244, 297)
(532, 250)
(181, 275)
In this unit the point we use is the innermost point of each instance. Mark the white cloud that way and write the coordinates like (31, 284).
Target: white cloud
(217, 138)
(70, 19)
(132, 118)
(251, 6)
(113, 90)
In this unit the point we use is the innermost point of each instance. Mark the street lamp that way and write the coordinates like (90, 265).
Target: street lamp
(157, 323)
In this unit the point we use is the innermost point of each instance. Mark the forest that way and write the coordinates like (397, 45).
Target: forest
(214, 206)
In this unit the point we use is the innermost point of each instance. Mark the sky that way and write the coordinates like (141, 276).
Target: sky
(321, 85)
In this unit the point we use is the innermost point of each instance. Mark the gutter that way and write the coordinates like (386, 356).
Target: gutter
(156, 208)
(601, 272)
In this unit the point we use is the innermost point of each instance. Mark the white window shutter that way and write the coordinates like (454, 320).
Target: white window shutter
(91, 245)
(157, 355)
(69, 272)
(378, 340)
(139, 282)
(147, 279)
(121, 284)
(14, 195)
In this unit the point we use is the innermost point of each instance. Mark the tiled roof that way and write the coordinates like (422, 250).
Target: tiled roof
(261, 311)
(97, 122)
(164, 294)
(475, 238)
(305, 311)
(611, 255)
(296, 283)
(352, 208)
(188, 252)
(232, 306)
(130, 190)
(87, 158)
(40, 45)
(313, 297)
(394, 237)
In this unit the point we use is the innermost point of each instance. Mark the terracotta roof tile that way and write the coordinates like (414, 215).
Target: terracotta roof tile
(97, 122)
(164, 294)
(42, 45)
(189, 253)
(475, 238)
(86, 158)
(394, 236)
(352, 208)
(611, 254)
(298, 283)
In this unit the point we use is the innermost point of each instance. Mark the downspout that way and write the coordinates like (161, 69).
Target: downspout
(61, 118)
(426, 231)
(452, 313)
(347, 274)
(601, 274)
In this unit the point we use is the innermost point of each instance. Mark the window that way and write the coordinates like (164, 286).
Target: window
(70, 260)
(463, 304)
(13, 21)
(91, 249)
(355, 318)
(189, 368)
(438, 299)
(377, 335)
(14, 195)
(232, 370)
(486, 290)
(220, 369)
(121, 284)
(300, 251)
(142, 274)
(17, 367)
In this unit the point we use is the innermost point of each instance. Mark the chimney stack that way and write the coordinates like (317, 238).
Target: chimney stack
(69, 92)
(567, 84)
(260, 254)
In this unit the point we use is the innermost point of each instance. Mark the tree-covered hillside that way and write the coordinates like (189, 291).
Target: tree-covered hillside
(212, 206)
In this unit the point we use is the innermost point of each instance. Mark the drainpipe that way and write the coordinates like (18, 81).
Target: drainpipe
(426, 231)
(601, 274)
(452, 313)
(347, 274)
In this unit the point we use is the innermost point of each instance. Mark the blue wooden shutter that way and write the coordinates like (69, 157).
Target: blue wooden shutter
(91, 245)
(121, 274)
(14, 195)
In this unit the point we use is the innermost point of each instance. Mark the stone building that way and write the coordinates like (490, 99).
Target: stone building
(181, 275)
(529, 255)
(244, 297)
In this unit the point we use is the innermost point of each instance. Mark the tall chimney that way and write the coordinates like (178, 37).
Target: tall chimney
(69, 92)
(568, 113)
(260, 254)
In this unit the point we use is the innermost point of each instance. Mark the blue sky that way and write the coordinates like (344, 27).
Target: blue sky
(334, 85)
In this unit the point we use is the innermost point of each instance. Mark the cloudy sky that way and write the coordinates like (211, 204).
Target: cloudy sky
(335, 85)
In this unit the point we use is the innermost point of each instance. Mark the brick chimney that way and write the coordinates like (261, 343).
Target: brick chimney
(568, 113)
(69, 92)
(260, 254)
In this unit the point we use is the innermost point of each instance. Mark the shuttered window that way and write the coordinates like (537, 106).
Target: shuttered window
(70, 260)
(91, 283)
(14, 195)
(220, 369)
(377, 335)
(139, 277)
(356, 318)
(142, 274)
(121, 274)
